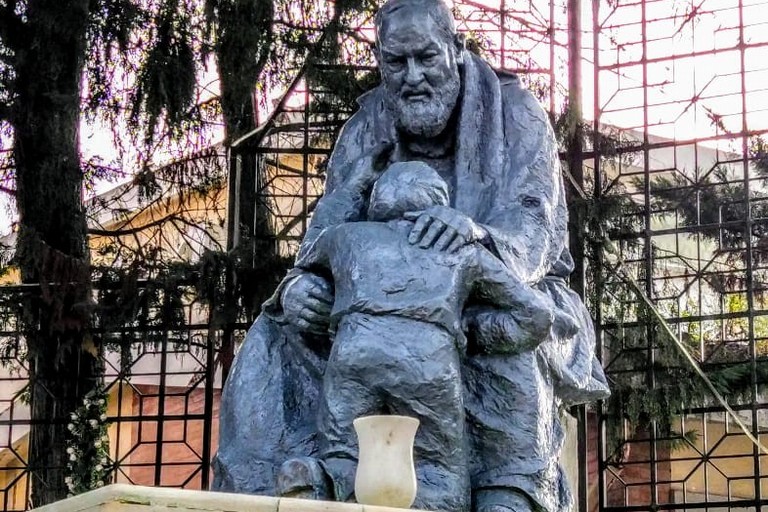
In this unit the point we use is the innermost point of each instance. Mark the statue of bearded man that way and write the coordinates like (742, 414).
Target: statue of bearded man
(492, 143)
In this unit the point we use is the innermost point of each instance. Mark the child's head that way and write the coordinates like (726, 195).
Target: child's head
(406, 187)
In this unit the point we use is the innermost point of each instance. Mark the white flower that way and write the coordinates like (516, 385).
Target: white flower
(97, 443)
(73, 416)
(68, 480)
(70, 450)
(73, 457)
(103, 460)
(103, 417)
(100, 484)
(86, 402)
(93, 423)
(98, 467)
(71, 427)
(102, 401)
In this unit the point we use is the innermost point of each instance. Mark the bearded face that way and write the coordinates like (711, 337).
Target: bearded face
(418, 63)
(425, 111)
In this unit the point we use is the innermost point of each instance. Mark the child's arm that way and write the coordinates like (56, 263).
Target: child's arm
(497, 331)
(522, 317)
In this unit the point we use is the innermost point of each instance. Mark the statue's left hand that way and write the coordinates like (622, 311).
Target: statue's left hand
(443, 228)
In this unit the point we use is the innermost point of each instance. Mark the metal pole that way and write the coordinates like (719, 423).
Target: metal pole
(577, 218)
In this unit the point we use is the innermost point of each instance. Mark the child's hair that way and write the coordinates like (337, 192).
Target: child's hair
(406, 187)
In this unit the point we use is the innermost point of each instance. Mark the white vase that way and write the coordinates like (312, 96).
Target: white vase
(385, 472)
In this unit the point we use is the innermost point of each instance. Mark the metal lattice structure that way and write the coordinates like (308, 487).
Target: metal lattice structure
(162, 381)
(686, 83)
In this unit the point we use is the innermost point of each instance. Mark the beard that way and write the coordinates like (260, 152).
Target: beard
(426, 118)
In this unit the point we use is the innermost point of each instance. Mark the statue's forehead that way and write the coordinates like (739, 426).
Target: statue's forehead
(409, 24)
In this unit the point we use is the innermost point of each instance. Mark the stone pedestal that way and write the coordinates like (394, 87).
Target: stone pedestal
(133, 498)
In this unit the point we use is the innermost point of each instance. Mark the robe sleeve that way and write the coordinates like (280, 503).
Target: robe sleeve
(527, 219)
(316, 258)
(337, 205)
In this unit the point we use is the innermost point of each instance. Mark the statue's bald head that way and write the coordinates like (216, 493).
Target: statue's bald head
(435, 9)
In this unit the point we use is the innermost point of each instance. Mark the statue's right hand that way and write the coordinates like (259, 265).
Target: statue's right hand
(307, 303)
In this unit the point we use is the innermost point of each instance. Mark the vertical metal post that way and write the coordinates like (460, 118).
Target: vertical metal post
(648, 256)
(575, 145)
(750, 270)
(160, 424)
(233, 198)
(596, 253)
(577, 217)
(233, 239)
(210, 375)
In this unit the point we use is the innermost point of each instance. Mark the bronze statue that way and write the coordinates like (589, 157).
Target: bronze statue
(492, 144)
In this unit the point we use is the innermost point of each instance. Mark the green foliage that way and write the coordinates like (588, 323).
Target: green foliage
(111, 25)
(242, 33)
(758, 153)
(166, 81)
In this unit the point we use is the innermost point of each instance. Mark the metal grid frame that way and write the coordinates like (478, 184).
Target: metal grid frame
(163, 386)
(683, 81)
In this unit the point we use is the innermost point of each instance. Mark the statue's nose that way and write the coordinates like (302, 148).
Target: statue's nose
(414, 74)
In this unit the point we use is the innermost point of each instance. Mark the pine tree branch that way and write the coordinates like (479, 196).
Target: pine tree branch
(136, 229)
(12, 29)
(5, 190)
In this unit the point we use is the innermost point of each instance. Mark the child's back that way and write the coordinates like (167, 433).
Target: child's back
(376, 270)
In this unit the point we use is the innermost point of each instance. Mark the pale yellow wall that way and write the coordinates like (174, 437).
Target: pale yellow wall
(172, 237)
(10, 471)
(730, 456)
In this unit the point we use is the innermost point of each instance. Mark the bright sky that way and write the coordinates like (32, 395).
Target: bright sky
(695, 66)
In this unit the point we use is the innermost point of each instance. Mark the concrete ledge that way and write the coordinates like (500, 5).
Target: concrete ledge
(134, 498)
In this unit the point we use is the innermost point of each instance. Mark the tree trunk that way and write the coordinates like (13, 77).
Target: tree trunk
(52, 249)
(244, 39)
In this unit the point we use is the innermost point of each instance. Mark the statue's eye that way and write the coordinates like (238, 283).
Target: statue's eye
(430, 59)
(395, 63)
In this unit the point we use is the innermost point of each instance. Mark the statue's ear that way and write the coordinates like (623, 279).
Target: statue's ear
(460, 44)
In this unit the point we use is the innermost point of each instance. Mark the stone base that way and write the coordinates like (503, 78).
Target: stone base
(134, 498)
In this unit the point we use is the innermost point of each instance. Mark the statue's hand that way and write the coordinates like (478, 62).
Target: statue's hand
(443, 228)
(307, 302)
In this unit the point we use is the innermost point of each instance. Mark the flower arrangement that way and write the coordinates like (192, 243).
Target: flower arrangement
(87, 444)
